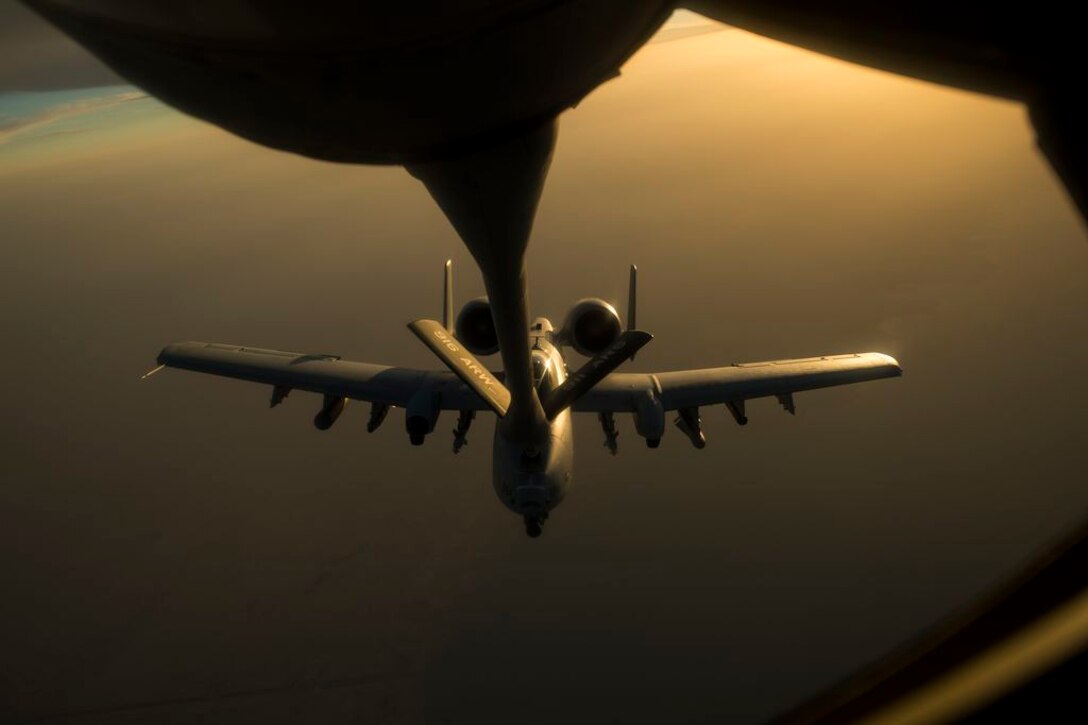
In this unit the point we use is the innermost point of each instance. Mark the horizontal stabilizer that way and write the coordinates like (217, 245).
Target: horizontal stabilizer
(594, 371)
(463, 363)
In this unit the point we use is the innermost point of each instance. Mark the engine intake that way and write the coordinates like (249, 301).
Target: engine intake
(591, 326)
(475, 328)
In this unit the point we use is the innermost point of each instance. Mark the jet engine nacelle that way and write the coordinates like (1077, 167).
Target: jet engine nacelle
(475, 328)
(591, 326)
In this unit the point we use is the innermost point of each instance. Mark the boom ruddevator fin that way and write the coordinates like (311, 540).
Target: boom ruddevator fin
(581, 382)
(463, 363)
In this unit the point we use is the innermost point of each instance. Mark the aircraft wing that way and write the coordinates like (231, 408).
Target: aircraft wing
(626, 392)
(325, 374)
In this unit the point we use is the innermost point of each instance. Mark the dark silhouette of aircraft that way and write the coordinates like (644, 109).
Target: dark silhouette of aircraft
(531, 467)
(381, 82)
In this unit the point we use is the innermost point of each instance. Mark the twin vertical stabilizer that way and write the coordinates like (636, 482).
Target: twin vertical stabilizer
(440, 339)
(447, 297)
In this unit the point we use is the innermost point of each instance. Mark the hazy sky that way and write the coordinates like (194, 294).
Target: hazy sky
(173, 549)
(34, 56)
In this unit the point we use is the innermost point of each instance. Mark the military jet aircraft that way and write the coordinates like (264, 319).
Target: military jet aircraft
(531, 471)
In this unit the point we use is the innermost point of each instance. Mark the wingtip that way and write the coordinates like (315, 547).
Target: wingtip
(889, 360)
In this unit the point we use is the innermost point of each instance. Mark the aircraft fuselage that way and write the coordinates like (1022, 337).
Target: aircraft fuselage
(530, 481)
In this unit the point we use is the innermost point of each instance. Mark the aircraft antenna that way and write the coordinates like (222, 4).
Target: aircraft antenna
(149, 373)
(447, 297)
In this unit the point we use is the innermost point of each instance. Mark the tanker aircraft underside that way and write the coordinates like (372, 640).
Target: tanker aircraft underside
(532, 461)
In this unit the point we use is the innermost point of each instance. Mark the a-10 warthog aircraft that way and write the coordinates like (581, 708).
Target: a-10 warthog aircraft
(531, 467)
